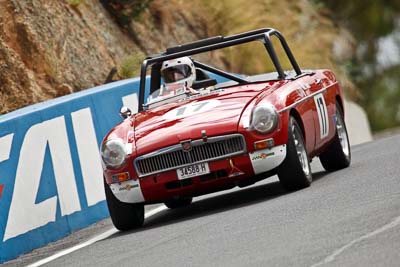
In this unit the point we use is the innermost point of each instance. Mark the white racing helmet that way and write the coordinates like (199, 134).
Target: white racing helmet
(178, 71)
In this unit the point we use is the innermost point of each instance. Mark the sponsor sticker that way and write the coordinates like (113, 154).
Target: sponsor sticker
(262, 156)
(267, 159)
(128, 187)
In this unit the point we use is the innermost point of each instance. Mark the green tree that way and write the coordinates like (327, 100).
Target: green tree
(371, 22)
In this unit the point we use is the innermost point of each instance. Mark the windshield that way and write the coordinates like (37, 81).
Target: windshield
(166, 92)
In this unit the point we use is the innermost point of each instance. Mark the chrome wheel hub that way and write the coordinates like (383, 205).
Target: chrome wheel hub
(301, 151)
(342, 134)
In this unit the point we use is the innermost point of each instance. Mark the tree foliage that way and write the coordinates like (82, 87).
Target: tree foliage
(125, 11)
(375, 67)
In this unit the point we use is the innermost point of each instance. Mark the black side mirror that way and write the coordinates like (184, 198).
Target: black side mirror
(203, 83)
(125, 112)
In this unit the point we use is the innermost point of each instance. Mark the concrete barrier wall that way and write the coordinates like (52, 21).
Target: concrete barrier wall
(357, 124)
(50, 169)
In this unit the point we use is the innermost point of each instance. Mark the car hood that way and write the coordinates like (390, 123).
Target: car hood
(217, 113)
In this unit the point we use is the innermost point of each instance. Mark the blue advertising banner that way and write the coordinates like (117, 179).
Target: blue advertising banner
(50, 168)
(51, 180)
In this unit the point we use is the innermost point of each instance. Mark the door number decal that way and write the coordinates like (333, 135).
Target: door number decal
(322, 115)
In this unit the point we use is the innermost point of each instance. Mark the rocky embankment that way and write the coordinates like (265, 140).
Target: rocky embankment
(52, 48)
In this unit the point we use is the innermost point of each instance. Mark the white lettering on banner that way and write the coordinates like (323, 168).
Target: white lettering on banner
(25, 214)
(131, 102)
(5, 147)
(89, 155)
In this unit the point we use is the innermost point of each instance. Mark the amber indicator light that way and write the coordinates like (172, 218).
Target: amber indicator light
(264, 144)
(120, 177)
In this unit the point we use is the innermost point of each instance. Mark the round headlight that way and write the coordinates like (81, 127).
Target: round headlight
(264, 118)
(113, 153)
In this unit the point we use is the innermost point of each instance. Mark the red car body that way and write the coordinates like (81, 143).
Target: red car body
(214, 130)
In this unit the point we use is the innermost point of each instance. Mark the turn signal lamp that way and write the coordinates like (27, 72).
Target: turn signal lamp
(263, 144)
(120, 177)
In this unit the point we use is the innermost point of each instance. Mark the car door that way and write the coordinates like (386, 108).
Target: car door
(321, 94)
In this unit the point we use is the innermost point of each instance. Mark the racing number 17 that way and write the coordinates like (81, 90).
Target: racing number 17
(193, 108)
(322, 115)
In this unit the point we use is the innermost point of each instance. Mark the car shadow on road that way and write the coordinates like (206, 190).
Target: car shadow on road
(318, 175)
(216, 204)
(220, 203)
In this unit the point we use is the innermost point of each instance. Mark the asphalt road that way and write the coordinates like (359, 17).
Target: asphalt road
(346, 218)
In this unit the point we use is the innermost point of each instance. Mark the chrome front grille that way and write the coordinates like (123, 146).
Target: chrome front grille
(174, 157)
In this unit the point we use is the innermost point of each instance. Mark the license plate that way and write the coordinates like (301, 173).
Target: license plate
(193, 170)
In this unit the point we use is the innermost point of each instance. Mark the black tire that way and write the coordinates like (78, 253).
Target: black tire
(125, 216)
(179, 202)
(295, 171)
(338, 155)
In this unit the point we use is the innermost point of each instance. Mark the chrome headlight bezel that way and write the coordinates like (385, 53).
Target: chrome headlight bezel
(264, 118)
(114, 153)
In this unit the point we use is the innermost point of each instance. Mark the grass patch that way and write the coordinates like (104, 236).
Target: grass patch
(130, 66)
(75, 3)
(125, 11)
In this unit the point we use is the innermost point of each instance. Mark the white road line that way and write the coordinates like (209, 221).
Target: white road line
(91, 241)
(339, 251)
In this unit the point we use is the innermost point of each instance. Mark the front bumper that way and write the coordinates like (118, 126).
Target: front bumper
(224, 174)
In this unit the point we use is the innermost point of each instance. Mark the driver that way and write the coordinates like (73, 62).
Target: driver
(178, 72)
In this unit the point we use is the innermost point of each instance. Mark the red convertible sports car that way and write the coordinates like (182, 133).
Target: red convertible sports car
(194, 135)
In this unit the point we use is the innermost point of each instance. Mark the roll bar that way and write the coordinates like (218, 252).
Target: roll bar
(218, 42)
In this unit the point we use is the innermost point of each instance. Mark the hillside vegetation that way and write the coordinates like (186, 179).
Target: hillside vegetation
(375, 67)
(52, 48)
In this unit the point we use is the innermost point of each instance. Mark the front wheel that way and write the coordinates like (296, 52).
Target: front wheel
(125, 216)
(337, 156)
(295, 171)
